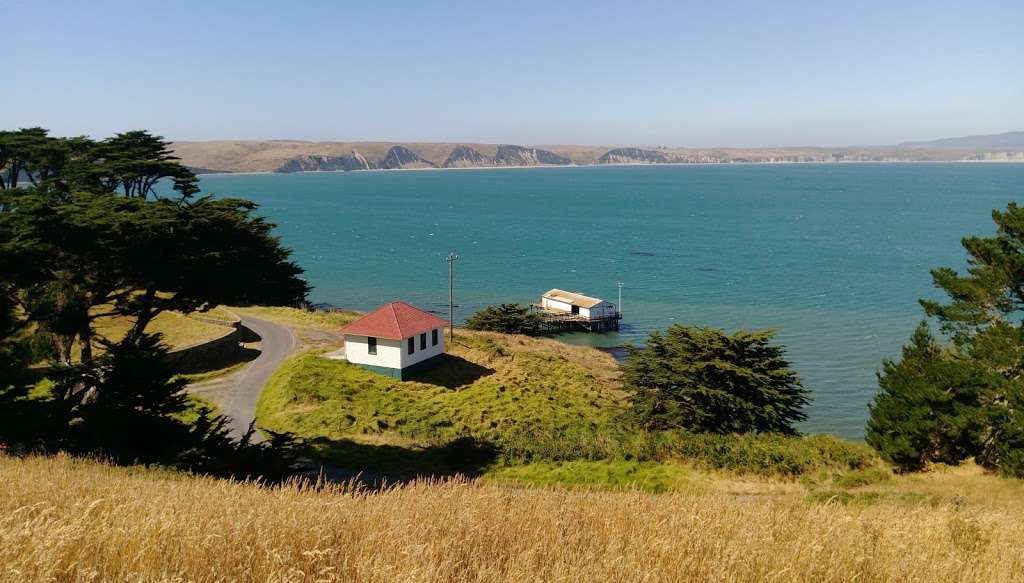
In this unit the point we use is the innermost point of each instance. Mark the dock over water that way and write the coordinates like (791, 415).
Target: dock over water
(563, 311)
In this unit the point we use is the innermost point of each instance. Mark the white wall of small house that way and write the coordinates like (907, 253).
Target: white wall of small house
(389, 352)
(419, 354)
(553, 304)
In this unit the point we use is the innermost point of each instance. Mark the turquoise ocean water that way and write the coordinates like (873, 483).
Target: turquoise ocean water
(833, 257)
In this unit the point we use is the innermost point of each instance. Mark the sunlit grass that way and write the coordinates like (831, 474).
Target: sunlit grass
(488, 386)
(72, 520)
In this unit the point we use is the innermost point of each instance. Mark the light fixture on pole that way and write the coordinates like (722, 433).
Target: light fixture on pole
(620, 298)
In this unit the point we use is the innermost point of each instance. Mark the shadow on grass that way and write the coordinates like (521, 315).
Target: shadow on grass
(452, 371)
(216, 367)
(376, 465)
(247, 335)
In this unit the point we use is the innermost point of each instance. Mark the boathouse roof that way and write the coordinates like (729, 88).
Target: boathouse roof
(395, 321)
(573, 298)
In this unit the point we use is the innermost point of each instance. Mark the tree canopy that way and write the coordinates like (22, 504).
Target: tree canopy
(704, 380)
(130, 164)
(83, 235)
(949, 403)
(506, 318)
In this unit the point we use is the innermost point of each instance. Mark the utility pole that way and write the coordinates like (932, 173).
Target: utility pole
(620, 298)
(451, 259)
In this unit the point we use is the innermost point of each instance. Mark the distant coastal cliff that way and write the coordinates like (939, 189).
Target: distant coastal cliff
(287, 156)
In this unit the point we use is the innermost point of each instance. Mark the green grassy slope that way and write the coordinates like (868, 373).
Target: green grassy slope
(488, 386)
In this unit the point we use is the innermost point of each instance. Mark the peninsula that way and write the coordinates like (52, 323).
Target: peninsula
(302, 156)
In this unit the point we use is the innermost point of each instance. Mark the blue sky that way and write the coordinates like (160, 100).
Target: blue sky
(609, 73)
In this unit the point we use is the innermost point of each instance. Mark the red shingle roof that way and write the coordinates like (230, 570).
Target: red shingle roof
(394, 321)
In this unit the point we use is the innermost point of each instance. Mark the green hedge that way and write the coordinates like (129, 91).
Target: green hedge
(767, 454)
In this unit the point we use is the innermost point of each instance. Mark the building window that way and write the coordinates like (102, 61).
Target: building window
(371, 345)
(412, 345)
(433, 337)
(423, 341)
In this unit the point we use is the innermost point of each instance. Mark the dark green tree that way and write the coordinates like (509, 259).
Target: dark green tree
(80, 239)
(704, 380)
(87, 256)
(128, 406)
(29, 155)
(967, 399)
(931, 405)
(506, 318)
(134, 162)
(130, 164)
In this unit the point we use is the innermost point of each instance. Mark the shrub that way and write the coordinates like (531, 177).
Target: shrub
(866, 477)
(506, 318)
(768, 454)
(704, 380)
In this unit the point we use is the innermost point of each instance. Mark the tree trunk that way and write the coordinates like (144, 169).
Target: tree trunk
(85, 337)
(145, 316)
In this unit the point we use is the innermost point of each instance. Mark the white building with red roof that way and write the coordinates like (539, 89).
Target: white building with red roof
(396, 340)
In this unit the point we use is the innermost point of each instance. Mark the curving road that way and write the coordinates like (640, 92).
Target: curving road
(237, 394)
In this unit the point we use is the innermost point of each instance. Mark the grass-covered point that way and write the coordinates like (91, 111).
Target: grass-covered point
(488, 386)
(498, 401)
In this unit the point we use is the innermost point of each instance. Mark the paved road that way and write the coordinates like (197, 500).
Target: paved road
(239, 392)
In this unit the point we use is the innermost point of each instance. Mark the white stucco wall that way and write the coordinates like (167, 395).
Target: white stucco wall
(389, 352)
(556, 305)
(419, 355)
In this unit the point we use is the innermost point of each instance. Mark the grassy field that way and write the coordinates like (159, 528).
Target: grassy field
(74, 520)
(179, 330)
(487, 386)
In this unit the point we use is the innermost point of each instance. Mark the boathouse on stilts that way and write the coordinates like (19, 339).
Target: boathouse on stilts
(563, 311)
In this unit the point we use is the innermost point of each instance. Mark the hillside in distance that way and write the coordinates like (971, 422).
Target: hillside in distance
(1007, 141)
(302, 156)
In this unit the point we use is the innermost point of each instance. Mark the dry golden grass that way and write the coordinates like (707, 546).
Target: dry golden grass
(70, 520)
(179, 330)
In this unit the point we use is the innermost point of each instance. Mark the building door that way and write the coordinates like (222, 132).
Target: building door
(575, 310)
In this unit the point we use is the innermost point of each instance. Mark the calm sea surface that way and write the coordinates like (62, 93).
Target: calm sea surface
(833, 257)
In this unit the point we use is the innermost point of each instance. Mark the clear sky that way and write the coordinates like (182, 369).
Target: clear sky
(610, 73)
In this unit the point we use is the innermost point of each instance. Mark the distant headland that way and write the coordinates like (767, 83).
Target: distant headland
(287, 156)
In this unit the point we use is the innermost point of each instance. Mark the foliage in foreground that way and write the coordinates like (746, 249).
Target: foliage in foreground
(704, 380)
(128, 406)
(84, 237)
(945, 404)
(200, 529)
(507, 319)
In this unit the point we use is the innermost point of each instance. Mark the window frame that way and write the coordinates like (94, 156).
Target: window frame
(433, 337)
(411, 345)
(423, 341)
